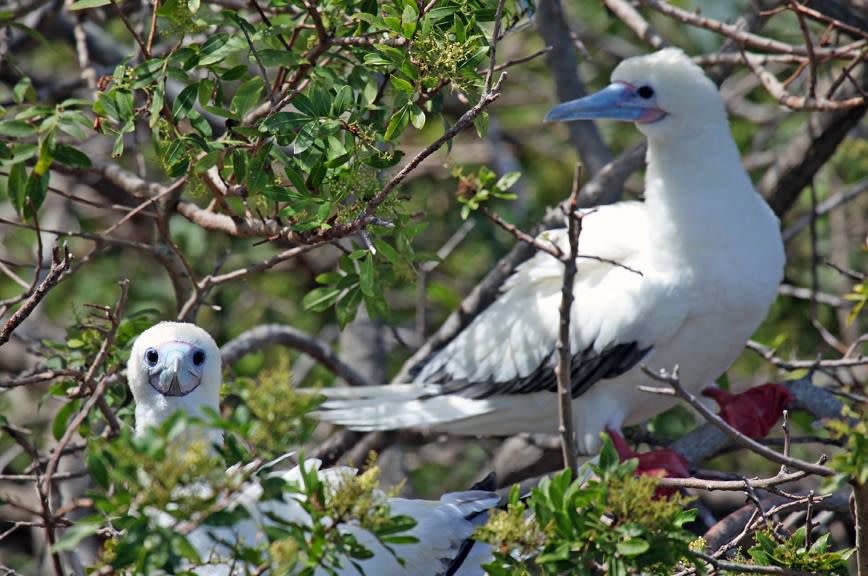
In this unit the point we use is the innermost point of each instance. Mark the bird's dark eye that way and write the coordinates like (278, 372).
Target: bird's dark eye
(151, 356)
(198, 357)
(645, 92)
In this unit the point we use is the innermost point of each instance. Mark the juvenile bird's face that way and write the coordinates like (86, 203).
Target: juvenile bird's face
(173, 359)
(665, 93)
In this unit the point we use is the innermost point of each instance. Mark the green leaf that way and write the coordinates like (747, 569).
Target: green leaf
(346, 308)
(507, 180)
(71, 157)
(608, 455)
(272, 57)
(246, 97)
(118, 148)
(185, 102)
(23, 90)
(417, 117)
(283, 122)
(397, 124)
(73, 535)
(366, 275)
(210, 52)
(633, 547)
(820, 545)
(481, 124)
(305, 105)
(319, 299)
(401, 85)
(85, 4)
(37, 189)
(97, 467)
(343, 100)
(58, 426)
(186, 549)
(17, 186)
(408, 20)
(16, 129)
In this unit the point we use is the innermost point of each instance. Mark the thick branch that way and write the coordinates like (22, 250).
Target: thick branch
(271, 334)
(806, 153)
(563, 63)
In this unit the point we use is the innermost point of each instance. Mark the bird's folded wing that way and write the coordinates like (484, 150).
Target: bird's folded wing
(617, 317)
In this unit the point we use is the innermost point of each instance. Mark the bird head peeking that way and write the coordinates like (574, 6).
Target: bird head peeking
(173, 366)
(665, 93)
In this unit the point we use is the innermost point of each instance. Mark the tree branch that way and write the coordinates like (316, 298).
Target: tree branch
(563, 370)
(58, 271)
(273, 334)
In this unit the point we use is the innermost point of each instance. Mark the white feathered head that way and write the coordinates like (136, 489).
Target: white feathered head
(173, 366)
(665, 93)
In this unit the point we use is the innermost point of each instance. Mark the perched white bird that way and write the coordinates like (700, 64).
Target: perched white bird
(177, 366)
(710, 254)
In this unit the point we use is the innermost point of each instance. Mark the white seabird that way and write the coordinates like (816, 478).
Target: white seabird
(177, 366)
(710, 253)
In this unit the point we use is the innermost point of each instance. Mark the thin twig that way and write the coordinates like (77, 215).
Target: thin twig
(746, 39)
(779, 92)
(809, 46)
(769, 355)
(153, 31)
(495, 36)
(96, 397)
(563, 370)
(676, 389)
(259, 63)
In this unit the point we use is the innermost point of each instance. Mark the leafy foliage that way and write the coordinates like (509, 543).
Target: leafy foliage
(476, 189)
(612, 523)
(793, 553)
(157, 491)
(852, 461)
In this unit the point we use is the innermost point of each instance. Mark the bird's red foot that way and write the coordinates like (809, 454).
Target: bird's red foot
(753, 412)
(662, 463)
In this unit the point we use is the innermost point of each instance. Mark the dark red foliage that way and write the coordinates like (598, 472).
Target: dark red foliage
(753, 412)
(663, 463)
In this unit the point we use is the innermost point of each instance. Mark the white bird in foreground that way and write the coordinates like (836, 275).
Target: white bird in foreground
(710, 254)
(177, 366)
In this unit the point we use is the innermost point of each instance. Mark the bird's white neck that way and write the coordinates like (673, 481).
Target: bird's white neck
(152, 408)
(698, 193)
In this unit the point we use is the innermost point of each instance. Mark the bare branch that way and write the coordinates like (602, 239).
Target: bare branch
(271, 334)
(777, 90)
(747, 39)
(678, 390)
(96, 397)
(635, 22)
(59, 269)
(563, 63)
(563, 370)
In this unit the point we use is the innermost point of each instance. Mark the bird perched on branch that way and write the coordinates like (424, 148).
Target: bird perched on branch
(177, 367)
(709, 258)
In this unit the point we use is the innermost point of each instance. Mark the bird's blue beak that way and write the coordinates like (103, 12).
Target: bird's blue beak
(618, 101)
(177, 370)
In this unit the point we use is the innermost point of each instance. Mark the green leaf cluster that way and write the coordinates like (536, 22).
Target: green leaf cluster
(852, 461)
(610, 524)
(477, 188)
(794, 554)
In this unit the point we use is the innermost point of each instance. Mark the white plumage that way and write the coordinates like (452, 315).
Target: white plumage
(183, 358)
(711, 257)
